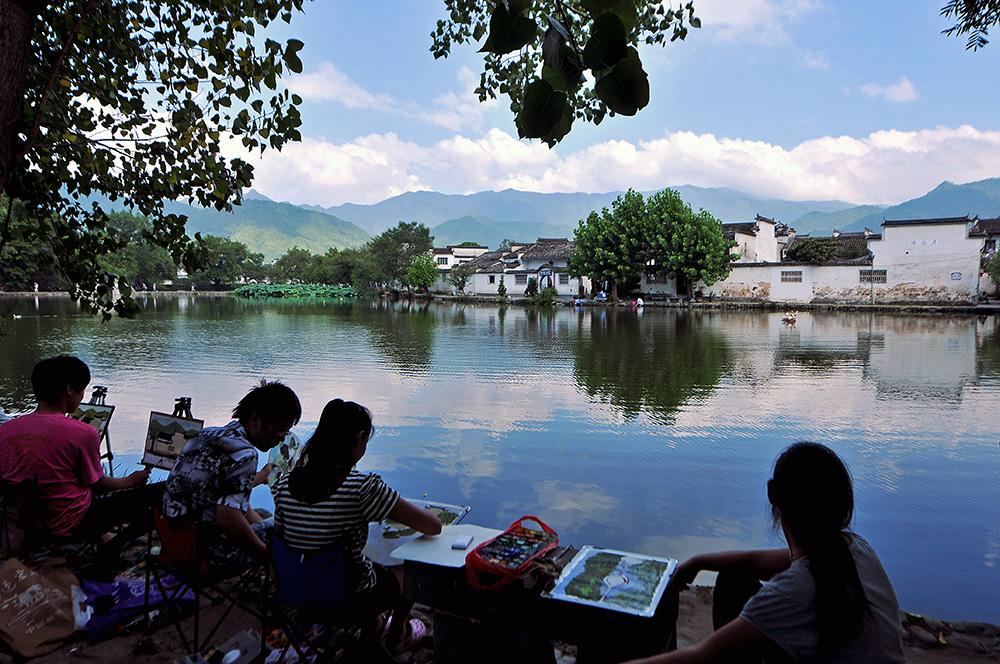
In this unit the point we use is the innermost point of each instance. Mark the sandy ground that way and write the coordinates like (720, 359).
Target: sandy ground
(928, 641)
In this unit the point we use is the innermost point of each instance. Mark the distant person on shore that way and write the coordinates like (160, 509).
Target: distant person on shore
(325, 499)
(36, 286)
(825, 598)
(216, 470)
(601, 296)
(63, 456)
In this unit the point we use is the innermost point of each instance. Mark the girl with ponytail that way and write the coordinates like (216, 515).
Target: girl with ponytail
(325, 500)
(825, 598)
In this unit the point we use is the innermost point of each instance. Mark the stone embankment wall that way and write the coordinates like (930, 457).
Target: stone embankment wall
(833, 284)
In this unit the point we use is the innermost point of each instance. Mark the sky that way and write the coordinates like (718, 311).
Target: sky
(860, 101)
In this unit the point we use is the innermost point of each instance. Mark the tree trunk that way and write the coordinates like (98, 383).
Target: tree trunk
(16, 26)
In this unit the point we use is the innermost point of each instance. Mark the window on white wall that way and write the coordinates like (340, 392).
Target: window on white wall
(791, 276)
(520, 278)
(872, 277)
(442, 260)
(563, 278)
(493, 278)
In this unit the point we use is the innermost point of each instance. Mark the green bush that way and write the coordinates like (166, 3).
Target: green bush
(546, 298)
(295, 290)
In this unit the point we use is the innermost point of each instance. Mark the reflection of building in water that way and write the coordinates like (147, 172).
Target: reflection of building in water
(904, 357)
(924, 358)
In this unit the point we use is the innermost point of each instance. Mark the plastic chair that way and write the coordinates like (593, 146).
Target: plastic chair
(313, 587)
(182, 556)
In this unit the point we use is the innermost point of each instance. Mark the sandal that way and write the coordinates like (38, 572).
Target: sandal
(414, 633)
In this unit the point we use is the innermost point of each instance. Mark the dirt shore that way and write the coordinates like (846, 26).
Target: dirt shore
(928, 641)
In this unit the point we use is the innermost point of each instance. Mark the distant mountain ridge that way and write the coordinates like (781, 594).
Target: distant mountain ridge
(562, 210)
(980, 198)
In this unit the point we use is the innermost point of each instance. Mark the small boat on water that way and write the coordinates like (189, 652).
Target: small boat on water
(788, 318)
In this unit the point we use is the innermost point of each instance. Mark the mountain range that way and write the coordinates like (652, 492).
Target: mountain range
(489, 217)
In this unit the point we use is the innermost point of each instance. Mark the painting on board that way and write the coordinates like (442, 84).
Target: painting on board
(616, 580)
(386, 536)
(165, 438)
(96, 415)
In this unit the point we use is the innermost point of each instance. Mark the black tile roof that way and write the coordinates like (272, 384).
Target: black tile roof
(744, 227)
(850, 247)
(986, 227)
(934, 220)
(549, 248)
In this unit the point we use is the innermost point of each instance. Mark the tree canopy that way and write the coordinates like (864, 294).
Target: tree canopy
(133, 100)
(973, 19)
(661, 233)
(562, 60)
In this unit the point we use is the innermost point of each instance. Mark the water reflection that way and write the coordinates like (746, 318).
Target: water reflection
(648, 368)
(654, 434)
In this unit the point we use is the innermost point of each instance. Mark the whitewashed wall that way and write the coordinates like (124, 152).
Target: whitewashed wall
(928, 262)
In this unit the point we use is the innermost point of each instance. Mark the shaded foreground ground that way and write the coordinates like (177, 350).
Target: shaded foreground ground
(928, 641)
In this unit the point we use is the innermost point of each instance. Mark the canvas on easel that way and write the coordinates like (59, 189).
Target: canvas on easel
(97, 415)
(165, 438)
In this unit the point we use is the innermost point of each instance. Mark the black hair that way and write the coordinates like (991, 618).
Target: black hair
(812, 493)
(327, 457)
(51, 376)
(273, 402)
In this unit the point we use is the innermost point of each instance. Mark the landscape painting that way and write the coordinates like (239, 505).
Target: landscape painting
(616, 580)
(165, 438)
(96, 415)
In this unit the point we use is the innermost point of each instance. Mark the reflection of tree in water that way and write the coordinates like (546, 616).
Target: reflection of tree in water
(402, 333)
(988, 353)
(654, 368)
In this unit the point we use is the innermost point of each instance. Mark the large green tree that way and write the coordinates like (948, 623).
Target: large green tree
(293, 267)
(688, 244)
(392, 252)
(459, 277)
(661, 233)
(422, 273)
(227, 262)
(132, 101)
(140, 261)
(562, 60)
(609, 246)
(23, 262)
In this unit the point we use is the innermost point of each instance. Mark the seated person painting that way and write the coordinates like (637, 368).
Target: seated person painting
(213, 476)
(325, 500)
(62, 457)
(824, 598)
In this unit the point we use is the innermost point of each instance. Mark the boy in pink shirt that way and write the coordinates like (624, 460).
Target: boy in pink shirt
(63, 457)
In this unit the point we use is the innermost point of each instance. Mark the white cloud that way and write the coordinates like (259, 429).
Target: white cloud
(330, 84)
(814, 60)
(885, 166)
(754, 20)
(454, 110)
(901, 91)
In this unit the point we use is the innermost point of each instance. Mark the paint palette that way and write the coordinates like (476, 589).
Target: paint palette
(514, 547)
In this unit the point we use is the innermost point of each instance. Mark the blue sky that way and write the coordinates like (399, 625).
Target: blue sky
(860, 101)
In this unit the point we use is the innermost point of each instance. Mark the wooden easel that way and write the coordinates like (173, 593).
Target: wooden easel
(182, 407)
(97, 398)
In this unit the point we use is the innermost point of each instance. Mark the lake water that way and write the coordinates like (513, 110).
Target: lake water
(651, 432)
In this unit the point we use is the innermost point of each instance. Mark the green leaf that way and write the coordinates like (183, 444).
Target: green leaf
(623, 9)
(561, 128)
(542, 109)
(695, 22)
(508, 32)
(625, 89)
(561, 66)
(608, 43)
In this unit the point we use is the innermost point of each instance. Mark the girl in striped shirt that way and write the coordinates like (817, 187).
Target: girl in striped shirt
(324, 499)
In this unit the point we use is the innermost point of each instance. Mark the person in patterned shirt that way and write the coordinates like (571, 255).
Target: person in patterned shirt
(215, 471)
(325, 499)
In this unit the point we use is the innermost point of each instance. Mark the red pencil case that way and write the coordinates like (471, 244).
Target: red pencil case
(498, 561)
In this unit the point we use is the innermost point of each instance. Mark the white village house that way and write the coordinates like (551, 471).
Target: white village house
(546, 260)
(912, 260)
